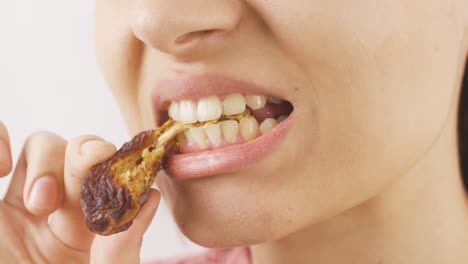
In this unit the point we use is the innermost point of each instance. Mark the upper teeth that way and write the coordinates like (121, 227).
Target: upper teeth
(187, 112)
(211, 107)
(275, 100)
(234, 104)
(224, 132)
(256, 101)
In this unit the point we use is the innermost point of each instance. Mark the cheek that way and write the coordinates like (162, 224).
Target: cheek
(119, 56)
(380, 73)
(382, 76)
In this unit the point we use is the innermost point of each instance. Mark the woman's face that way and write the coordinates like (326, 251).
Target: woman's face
(371, 84)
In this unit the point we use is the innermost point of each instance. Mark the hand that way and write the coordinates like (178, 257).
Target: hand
(40, 215)
(5, 153)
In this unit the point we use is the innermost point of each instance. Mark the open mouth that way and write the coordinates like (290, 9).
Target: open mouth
(221, 121)
(231, 123)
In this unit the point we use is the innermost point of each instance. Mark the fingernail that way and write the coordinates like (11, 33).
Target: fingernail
(90, 146)
(44, 193)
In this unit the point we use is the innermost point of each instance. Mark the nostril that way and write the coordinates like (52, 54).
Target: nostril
(193, 36)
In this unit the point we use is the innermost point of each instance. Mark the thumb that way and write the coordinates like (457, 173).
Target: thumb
(125, 247)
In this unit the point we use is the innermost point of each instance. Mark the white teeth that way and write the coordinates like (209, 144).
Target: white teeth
(197, 134)
(209, 108)
(275, 100)
(212, 108)
(267, 125)
(248, 128)
(282, 118)
(230, 129)
(189, 138)
(214, 134)
(173, 111)
(234, 104)
(256, 101)
(188, 111)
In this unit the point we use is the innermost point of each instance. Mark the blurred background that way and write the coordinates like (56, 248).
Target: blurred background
(49, 81)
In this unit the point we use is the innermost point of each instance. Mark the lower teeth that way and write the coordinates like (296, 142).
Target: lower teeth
(226, 130)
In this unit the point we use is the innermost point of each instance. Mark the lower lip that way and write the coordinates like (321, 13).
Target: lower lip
(227, 159)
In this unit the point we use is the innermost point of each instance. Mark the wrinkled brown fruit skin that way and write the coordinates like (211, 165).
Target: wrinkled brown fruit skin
(107, 201)
(109, 208)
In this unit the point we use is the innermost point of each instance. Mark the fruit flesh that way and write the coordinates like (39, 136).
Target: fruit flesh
(114, 190)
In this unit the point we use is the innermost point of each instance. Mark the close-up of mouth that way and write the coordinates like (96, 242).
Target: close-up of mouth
(229, 126)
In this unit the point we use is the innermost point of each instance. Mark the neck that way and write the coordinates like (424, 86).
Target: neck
(421, 218)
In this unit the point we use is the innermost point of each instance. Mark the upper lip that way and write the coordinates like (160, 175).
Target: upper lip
(192, 87)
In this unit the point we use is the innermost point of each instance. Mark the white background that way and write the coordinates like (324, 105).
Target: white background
(49, 81)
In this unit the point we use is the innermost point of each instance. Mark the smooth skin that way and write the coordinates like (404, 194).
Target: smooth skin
(46, 184)
(368, 172)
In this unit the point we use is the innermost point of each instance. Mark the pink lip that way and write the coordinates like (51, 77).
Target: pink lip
(222, 160)
(227, 159)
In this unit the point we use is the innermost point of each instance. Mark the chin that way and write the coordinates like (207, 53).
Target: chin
(224, 231)
(216, 212)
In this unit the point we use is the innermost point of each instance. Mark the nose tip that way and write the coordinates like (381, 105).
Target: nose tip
(179, 26)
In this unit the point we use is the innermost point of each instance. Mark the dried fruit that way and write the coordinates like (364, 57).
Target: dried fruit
(114, 190)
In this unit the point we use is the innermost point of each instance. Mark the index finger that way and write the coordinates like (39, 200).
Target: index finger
(5, 152)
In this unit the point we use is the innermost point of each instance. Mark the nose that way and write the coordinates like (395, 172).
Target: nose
(178, 27)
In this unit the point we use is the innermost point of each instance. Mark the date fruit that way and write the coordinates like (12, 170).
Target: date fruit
(114, 190)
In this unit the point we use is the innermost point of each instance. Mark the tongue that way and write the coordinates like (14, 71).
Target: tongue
(272, 110)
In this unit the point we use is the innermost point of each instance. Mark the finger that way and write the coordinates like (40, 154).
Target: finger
(125, 247)
(38, 178)
(5, 152)
(68, 222)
